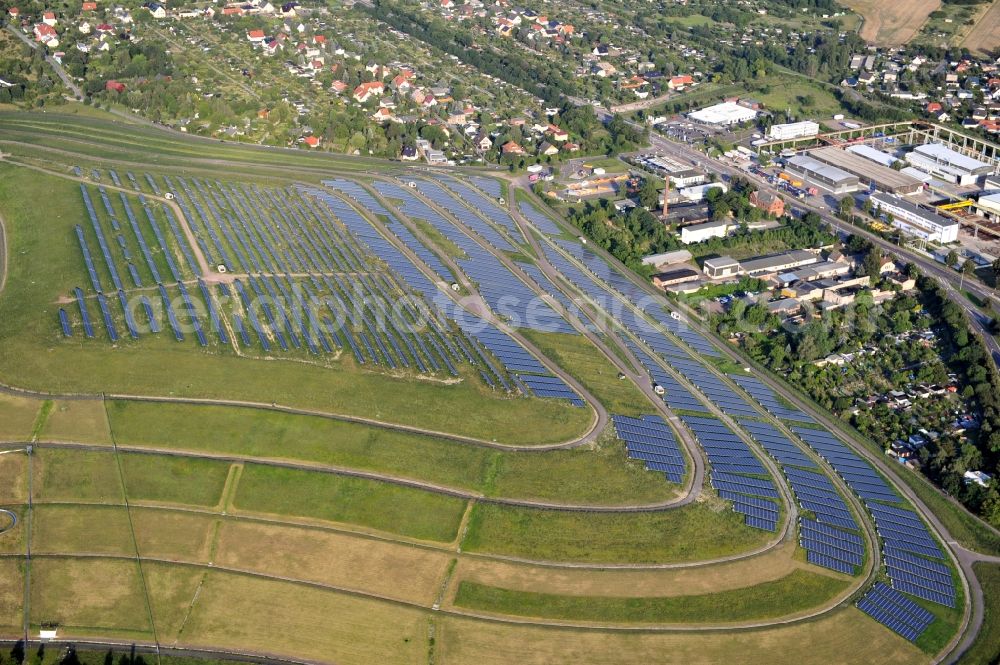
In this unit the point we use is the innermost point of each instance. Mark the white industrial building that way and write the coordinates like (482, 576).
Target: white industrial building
(868, 152)
(667, 258)
(942, 162)
(793, 130)
(698, 192)
(988, 206)
(726, 113)
(702, 232)
(834, 180)
(916, 221)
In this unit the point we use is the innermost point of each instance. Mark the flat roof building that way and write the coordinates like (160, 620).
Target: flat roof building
(868, 171)
(868, 152)
(721, 267)
(777, 263)
(702, 232)
(666, 258)
(726, 113)
(942, 162)
(793, 130)
(915, 220)
(830, 178)
(673, 277)
(989, 206)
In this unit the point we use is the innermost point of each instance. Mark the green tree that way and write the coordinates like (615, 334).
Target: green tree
(649, 194)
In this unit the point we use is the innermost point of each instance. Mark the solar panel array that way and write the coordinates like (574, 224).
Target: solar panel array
(737, 474)
(489, 185)
(761, 392)
(896, 611)
(503, 291)
(485, 205)
(914, 561)
(538, 219)
(649, 439)
(526, 372)
(823, 535)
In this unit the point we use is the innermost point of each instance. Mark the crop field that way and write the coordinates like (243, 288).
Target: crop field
(193, 454)
(985, 34)
(892, 23)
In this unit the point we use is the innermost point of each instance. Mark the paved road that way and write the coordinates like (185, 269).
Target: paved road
(56, 67)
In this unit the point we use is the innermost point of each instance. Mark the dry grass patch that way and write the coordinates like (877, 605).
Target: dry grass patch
(88, 596)
(12, 541)
(985, 34)
(891, 23)
(387, 569)
(61, 529)
(83, 421)
(83, 475)
(253, 614)
(174, 535)
(11, 596)
(695, 580)
(172, 589)
(13, 478)
(17, 417)
(845, 637)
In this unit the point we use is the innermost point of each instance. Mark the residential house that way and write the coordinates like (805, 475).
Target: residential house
(512, 148)
(677, 82)
(547, 149)
(46, 34)
(366, 91)
(49, 19)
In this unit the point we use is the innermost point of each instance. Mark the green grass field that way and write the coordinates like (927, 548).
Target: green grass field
(558, 475)
(383, 506)
(694, 532)
(160, 479)
(578, 357)
(794, 593)
(986, 649)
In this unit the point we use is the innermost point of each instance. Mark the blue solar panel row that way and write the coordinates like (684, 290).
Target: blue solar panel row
(538, 219)
(653, 433)
(895, 611)
(768, 399)
(724, 447)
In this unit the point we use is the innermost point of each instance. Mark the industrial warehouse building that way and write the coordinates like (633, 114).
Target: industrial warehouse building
(726, 266)
(916, 221)
(702, 232)
(793, 130)
(777, 263)
(868, 171)
(726, 113)
(721, 267)
(868, 152)
(830, 178)
(988, 206)
(942, 162)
